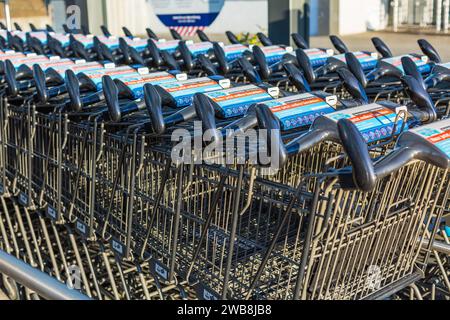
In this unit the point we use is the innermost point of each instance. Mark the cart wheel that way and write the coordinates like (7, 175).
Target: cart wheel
(11, 287)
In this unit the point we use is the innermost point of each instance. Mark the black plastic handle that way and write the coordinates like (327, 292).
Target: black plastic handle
(202, 36)
(429, 51)
(299, 41)
(124, 48)
(106, 53)
(267, 121)
(175, 34)
(105, 31)
(249, 71)
(17, 26)
(339, 44)
(32, 27)
(205, 111)
(135, 56)
(169, 61)
(207, 65)
(49, 28)
(265, 41)
(112, 98)
(305, 65)
(355, 67)
(261, 61)
(10, 77)
(186, 56)
(127, 32)
(297, 78)
(421, 98)
(41, 87)
(352, 85)
(382, 47)
(219, 54)
(154, 108)
(154, 53)
(73, 89)
(364, 176)
(232, 37)
(151, 34)
(410, 69)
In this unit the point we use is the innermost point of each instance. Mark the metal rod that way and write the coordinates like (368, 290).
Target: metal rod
(37, 281)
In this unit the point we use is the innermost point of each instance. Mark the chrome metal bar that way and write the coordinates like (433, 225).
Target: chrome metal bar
(37, 281)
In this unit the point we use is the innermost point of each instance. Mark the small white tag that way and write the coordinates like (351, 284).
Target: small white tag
(162, 40)
(225, 83)
(374, 55)
(89, 36)
(80, 61)
(331, 100)
(53, 58)
(109, 65)
(401, 109)
(221, 43)
(289, 49)
(31, 54)
(274, 92)
(189, 42)
(425, 59)
(330, 52)
(143, 70)
(181, 76)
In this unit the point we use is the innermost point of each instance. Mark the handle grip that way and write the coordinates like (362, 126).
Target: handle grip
(154, 108)
(249, 71)
(352, 85)
(364, 176)
(382, 47)
(429, 51)
(355, 67)
(154, 53)
(299, 41)
(261, 61)
(232, 37)
(264, 39)
(205, 111)
(151, 34)
(219, 54)
(10, 77)
(112, 98)
(305, 65)
(297, 78)
(41, 87)
(410, 69)
(339, 44)
(268, 121)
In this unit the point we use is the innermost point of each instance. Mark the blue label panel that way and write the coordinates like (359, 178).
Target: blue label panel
(273, 54)
(374, 123)
(367, 61)
(234, 51)
(115, 73)
(136, 83)
(199, 48)
(422, 66)
(317, 57)
(299, 110)
(183, 91)
(236, 101)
